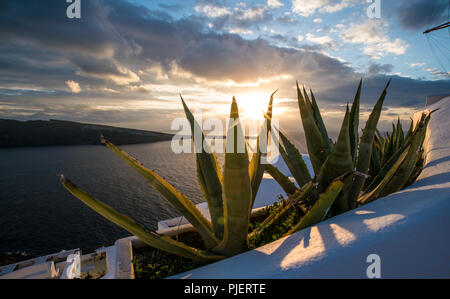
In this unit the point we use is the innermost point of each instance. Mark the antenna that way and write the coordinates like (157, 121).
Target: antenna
(442, 26)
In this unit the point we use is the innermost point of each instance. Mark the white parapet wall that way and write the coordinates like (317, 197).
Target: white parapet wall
(408, 230)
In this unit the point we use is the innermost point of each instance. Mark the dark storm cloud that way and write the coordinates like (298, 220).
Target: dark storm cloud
(22, 65)
(402, 92)
(45, 23)
(41, 46)
(114, 40)
(418, 14)
(115, 33)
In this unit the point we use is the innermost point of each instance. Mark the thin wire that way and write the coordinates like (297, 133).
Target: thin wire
(440, 36)
(441, 51)
(438, 48)
(442, 45)
(435, 55)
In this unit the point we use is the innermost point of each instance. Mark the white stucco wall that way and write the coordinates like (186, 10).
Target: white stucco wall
(409, 230)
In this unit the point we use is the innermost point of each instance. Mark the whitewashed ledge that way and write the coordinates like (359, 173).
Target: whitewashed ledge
(409, 230)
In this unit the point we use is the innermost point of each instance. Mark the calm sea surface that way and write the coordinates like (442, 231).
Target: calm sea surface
(38, 216)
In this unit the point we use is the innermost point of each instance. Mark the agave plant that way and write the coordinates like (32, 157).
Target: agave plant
(354, 169)
(230, 195)
(340, 181)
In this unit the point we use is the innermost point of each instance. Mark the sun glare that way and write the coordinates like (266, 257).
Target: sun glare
(253, 105)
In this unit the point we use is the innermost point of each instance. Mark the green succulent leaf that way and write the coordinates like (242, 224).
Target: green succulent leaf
(386, 167)
(152, 239)
(354, 123)
(294, 160)
(320, 208)
(375, 193)
(400, 134)
(281, 179)
(208, 173)
(375, 165)
(410, 130)
(319, 121)
(366, 145)
(317, 146)
(404, 172)
(173, 196)
(237, 189)
(340, 161)
(256, 169)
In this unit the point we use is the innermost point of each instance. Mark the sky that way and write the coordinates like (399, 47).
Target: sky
(124, 63)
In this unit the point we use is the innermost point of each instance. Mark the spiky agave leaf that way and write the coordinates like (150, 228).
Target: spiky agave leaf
(389, 149)
(354, 123)
(208, 173)
(294, 160)
(378, 143)
(256, 169)
(152, 239)
(173, 196)
(375, 193)
(365, 147)
(375, 181)
(417, 168)
(404, 172)
(380, 139)
(317, 148)
(411, 128)
(339, 162)
(375, 165)
(237, 189)
(320, 208)
(400, 135)
(281, 179)
(319, 121)
(395, 156)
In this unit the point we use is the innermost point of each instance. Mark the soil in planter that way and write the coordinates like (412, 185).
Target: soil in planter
(151, 263)
(275, 231)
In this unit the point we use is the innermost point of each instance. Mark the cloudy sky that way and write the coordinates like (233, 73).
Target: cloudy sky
(125, 62)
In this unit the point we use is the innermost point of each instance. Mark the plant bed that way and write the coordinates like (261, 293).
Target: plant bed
(152, 263)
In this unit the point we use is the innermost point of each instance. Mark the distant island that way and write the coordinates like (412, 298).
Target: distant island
(14, 133)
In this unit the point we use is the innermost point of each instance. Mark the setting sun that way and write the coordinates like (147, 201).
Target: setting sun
(252, 105)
